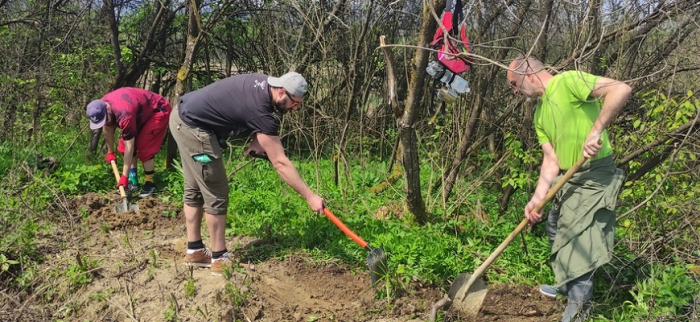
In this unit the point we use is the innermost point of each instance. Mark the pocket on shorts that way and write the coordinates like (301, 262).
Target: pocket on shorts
(207, 172)
(208, 145)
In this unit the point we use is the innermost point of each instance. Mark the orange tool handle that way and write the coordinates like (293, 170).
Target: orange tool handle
(344, 228)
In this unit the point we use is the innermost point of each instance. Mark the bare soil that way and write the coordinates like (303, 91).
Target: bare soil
(140, 275)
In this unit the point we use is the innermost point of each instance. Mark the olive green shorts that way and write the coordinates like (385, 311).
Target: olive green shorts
(206, 184)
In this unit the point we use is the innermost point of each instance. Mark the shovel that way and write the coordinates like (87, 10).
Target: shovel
(124, 205)
(376, 259)
(468, 291)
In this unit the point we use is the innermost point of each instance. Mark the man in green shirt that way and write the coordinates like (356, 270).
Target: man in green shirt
(570, 122)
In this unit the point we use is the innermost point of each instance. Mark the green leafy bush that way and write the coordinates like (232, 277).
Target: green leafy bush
(668, 294)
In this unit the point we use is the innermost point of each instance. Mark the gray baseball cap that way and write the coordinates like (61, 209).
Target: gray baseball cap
(97, 113)
(293, 82)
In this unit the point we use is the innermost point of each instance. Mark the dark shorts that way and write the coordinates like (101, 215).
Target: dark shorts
(206, 184)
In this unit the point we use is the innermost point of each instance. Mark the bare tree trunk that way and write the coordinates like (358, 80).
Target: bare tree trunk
(194, 35)
(407, 132)
(114, 28)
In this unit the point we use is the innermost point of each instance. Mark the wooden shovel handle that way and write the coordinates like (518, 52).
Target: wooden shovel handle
(344, 228)
(553, 190)
(117, 176)
(550, 194)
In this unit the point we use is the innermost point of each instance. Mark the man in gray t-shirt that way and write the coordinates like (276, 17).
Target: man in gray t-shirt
(245, 105)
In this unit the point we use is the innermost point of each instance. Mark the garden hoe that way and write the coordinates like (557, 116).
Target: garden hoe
(124, 205)
(376, 259)
(468, 291)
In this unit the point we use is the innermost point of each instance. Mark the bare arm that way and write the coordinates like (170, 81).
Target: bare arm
(615, 95)
(286, 170)
(108, 131)
(128, 155)
(128, 148)
(548, 171)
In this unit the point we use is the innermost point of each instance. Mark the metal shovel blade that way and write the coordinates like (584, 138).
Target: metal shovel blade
(376, 261)
(125, 206)
(473, 297)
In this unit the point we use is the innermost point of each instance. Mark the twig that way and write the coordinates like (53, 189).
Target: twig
(10, 298)
(131, 302)
(445, 301)
(138, 266)
(177, 307)
(228, 176)
(36, 292)
(121, 308)
(663, 139)
(246, 316)
(247, 265)
(522, 236)
(82, 129)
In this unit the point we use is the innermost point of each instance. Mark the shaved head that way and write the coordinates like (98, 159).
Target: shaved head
(527, 77)
(521, 64)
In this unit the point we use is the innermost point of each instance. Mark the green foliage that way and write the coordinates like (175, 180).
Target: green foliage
(518, 174)
(5, 263)
(100, 296)
(680, 190)
(666, 295)
(234, 295)
(79, 273)
(83, 178)
(190, 289)
(18, 236)
(170, 314)
(172, 182)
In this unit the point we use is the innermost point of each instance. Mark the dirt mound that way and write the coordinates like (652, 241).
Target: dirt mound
(153, 213)
(298, 289)
(517, 303)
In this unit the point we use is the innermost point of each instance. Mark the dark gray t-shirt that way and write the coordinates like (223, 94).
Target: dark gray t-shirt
(240, 104)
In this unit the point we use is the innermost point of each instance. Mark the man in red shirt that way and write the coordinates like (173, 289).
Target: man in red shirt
(142, 117)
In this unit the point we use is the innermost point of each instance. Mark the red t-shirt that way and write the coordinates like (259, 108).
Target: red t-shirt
(133, 107)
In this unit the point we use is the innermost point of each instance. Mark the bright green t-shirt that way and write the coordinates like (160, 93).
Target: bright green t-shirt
(566, 115)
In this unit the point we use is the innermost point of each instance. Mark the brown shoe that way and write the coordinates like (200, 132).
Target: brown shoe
(217, 265)
(200, 258)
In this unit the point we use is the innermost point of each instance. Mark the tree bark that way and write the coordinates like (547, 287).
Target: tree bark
(406, 124)
(194, 35)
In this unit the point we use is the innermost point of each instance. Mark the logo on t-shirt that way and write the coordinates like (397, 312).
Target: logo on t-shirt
(260, 84)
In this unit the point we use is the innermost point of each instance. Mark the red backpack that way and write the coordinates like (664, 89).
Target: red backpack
(447, 50)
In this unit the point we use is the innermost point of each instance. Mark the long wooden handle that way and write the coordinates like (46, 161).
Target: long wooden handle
(550, 194)
(344, 228)
(117, 176)
(553, 190)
